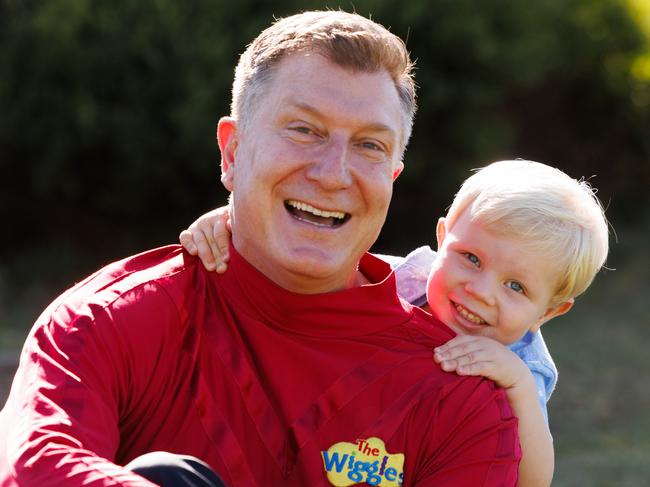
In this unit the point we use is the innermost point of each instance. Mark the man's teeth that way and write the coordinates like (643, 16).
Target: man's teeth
(299, 205)
(468, 315)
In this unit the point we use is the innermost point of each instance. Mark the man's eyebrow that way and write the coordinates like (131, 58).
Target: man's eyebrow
(380, 127)
(290, 106)
(305, 107)
(374, 127)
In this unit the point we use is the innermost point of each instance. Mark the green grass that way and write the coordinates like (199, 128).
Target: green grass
(599, 412)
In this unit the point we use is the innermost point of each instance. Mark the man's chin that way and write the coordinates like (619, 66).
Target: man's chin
(303, 267)
(319, 271)
(317, 266)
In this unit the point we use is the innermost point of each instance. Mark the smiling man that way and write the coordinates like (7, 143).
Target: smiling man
(312, 171)
(299, 366)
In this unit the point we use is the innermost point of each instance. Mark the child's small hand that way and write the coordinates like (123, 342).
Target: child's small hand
(209, 237)
(476, 355)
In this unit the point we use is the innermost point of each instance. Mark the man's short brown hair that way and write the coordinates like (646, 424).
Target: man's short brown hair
(346, 39)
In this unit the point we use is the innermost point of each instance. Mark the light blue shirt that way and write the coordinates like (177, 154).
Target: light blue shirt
(411, 273)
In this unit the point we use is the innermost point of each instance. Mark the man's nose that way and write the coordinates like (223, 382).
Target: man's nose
(331, 166)
(482, 288)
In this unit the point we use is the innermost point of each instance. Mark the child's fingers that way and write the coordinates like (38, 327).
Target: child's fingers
(222, 243)
(221, 246)
(215, 253)
(457, 341)
(481, 357)
(185, 238)
(466, 357)
(474, 356)
(215, 225)
(204, 250)
(208, 237)
(485, 369)
(473, 362)
(458, 362)
(457, 347)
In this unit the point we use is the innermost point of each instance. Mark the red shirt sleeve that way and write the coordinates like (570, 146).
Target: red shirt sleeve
(60, 424)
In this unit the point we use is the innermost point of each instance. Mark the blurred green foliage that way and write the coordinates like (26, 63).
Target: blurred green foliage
(109, 108)
(107, 147)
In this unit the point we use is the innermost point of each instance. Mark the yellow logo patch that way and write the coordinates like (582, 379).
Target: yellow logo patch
(364, 461)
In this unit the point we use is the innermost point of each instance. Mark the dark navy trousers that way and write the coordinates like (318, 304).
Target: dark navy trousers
(171, 470)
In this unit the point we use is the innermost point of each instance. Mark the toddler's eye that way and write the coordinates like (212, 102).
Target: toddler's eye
(516, 287)
(472, 258)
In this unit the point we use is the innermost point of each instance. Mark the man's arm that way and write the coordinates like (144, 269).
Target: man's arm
(60, 424)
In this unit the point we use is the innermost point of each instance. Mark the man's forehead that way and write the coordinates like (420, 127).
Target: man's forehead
(313, 84)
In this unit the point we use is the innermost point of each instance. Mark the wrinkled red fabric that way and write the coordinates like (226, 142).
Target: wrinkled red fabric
(155, 353)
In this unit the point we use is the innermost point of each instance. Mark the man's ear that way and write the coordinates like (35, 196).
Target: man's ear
(441, 231)
(398, 170)
(228, 140)
(552, 313)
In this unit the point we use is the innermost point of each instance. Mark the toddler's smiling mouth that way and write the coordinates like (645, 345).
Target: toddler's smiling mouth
(468, 315)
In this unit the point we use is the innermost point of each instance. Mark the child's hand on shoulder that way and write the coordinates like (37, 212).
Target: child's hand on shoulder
(209, 237)
(477, 355)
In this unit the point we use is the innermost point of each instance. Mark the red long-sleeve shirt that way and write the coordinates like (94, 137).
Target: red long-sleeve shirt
(267, 386)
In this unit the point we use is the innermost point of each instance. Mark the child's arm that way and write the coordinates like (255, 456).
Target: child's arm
(472, 355)
(208, 237)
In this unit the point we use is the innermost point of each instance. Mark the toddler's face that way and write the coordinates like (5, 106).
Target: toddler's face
(485, 284)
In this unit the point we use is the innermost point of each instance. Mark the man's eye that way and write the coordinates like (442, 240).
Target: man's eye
(472, 258)
(303, 130)
(516, 287)
(371, 145)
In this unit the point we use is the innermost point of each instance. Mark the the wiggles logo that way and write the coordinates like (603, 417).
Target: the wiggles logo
(364, 461)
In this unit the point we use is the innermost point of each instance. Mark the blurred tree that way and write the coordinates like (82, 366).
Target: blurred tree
(552, 81)
(109, 108)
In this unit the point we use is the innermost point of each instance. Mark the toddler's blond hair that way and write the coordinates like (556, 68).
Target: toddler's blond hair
(546, 210)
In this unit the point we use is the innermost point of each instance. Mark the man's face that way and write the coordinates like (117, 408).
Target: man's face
(312, 174)
(488, 285)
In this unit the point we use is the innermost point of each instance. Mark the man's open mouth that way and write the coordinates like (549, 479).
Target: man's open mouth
(307, 213)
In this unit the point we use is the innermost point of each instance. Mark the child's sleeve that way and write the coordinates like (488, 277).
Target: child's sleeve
(394, 260)
(411, 273)
(533, 351)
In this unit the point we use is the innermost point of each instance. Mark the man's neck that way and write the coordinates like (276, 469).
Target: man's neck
(359, 279)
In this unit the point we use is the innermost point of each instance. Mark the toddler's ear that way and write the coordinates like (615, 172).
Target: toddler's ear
(550, 313)
(441, 231)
